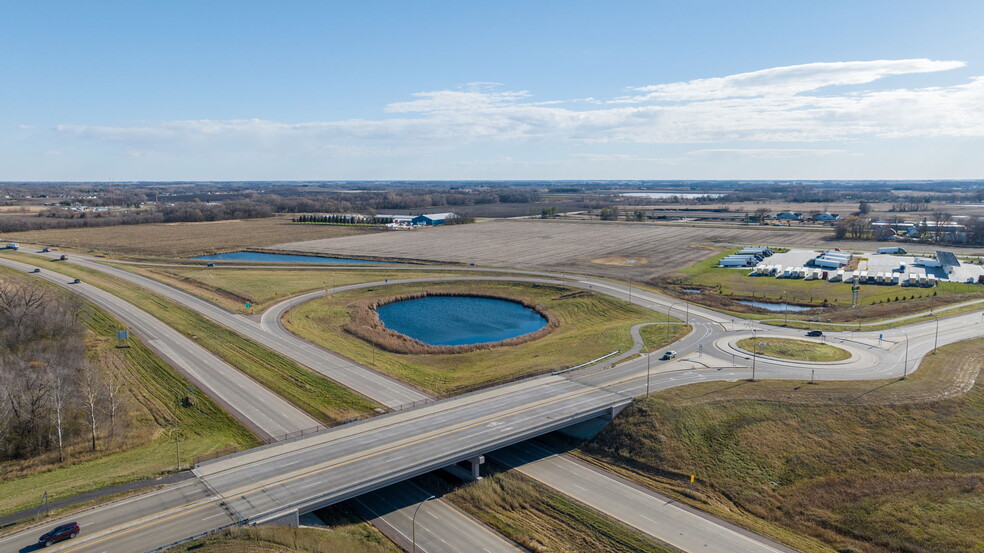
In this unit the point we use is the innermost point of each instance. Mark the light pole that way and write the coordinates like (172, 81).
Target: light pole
(371, 343)
(905, 364)
(413, 523)
(936, 339)
(754, 351)
(648, 365)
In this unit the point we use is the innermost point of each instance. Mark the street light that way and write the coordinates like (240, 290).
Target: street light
(754, 351)
(373, 344)
(936, 339)
(413, 523)
(648, 365)
(905, 364)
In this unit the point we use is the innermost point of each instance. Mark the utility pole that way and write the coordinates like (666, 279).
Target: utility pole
(413, 523)
(936, 339)
(905, 364)
(177, 452)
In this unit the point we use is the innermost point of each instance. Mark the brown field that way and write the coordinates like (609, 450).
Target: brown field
(568, 246)
(184, 239)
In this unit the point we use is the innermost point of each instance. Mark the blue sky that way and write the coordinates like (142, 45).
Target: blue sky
(490, 90)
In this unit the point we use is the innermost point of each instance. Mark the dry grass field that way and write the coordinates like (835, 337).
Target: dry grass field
(583, 247)
(184, 239)
(863, 467)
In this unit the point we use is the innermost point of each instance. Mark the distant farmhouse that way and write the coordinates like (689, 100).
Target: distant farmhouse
(826, 217)
(789, 216)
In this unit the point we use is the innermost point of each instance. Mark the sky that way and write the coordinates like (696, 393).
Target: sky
(427, 90)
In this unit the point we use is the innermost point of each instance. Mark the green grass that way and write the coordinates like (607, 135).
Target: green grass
(591, 325)
(155, 391)
(873, 467)
(789, 348)
(543, 520)
(233, 288)
(309, 391)
(655, 337)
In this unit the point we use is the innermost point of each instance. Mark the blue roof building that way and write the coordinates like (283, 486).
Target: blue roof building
(433, 218)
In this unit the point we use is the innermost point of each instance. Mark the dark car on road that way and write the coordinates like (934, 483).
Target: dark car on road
(814, 333)
(668, 355)
(60, 533)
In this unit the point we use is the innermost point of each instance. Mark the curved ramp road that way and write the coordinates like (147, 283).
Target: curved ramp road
(252, 404)
(258, 408)
(350, 460)
(378, 387)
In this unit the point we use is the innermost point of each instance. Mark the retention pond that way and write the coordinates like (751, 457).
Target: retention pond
(286, 258)
(460, 320)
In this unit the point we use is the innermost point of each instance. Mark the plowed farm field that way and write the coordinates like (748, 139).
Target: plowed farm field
(624, 250)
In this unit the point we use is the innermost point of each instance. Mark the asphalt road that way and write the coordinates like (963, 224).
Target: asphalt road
(254, 405)
(251, 403)
(259, 484)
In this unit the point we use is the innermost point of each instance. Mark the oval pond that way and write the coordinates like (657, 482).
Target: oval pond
(459, 320)
(286, 258)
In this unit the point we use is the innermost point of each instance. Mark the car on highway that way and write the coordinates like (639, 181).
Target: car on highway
(60, 533)
(668, 355)
(815, 333)
(36, 270)
(77, 281)
(45, 250)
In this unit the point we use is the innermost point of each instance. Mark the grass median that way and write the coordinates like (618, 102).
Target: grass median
(155, 418)
(590, 326)
(234, 288)
(313, 393)
(797, 350)
(874, 467)
(539, 518)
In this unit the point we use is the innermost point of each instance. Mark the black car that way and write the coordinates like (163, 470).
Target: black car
(60, 533)
(814, 333)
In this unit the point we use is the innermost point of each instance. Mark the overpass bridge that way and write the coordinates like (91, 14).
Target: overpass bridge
(277, 482)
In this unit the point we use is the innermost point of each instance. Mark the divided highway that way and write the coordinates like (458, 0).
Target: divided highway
(344, 462)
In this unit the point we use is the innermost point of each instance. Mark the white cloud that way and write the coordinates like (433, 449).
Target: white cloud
(789, 80)
(772, 105)
(769, 152)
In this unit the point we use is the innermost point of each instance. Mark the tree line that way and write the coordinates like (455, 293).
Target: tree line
(52, 397)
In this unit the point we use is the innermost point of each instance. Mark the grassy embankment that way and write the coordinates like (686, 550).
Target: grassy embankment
(170, 240)
(591, 325)
(873, 467)
(232, 288)
(154, 418)
(542, 520)
(345, 534)
(721, 288)
(311, 392)
(789, 348)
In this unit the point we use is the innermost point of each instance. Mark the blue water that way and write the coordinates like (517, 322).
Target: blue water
(775, 306)
(285, 258)
(459, 320)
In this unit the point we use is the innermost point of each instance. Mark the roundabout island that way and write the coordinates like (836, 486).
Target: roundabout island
(793, 349)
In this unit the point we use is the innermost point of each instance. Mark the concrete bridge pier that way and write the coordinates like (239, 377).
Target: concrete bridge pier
(465, 475)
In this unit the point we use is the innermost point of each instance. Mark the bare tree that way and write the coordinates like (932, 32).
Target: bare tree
(115, 397)
(91, 388)
(60, 394)
(942, 219)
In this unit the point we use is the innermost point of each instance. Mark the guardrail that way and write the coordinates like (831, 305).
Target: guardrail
(196, 536)
(606, 356)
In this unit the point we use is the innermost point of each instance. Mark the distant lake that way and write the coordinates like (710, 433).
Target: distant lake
(775, 306)
(664, 195)
(286, 258)
(459, 320)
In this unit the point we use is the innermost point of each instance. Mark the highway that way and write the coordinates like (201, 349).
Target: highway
(255, 483)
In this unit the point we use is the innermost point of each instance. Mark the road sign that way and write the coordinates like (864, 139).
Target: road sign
(122, 334)
(248, 305)
(692, 477)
